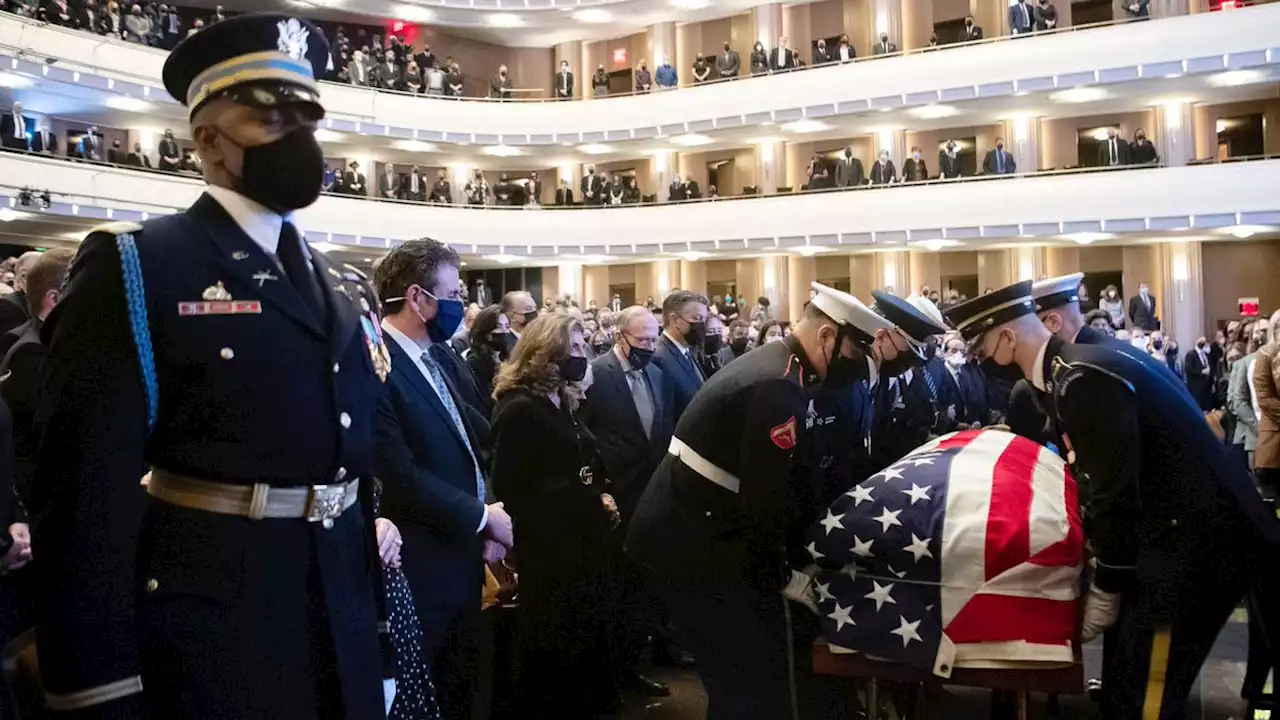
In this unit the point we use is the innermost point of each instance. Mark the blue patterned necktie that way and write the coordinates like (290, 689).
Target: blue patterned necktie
(446, 398)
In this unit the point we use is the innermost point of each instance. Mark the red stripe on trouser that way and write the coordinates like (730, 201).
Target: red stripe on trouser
(999, 618)
(1009, 516)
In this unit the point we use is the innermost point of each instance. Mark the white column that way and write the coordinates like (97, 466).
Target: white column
(1182, 275)
(768, 21)
(571, 282)
(662, 42)
(572, 52)
(773, 283)
(1022, 138)
(663, 168)
(1169, 8)
(1176, 142)
(895, 141)
(461, 174)
(888, 19)
(1027, 263)
(895, 272)
(771, 172)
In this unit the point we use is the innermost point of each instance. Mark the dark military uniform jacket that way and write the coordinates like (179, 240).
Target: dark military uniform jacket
(1164, 502)
(747, 429)
(216, 616)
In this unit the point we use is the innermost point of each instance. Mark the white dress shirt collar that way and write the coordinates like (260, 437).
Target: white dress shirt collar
(679, 345)
(622, 359)
(1037, 373)
(259, 223)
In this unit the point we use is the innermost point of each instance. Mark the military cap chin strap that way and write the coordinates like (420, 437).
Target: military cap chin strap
(136, 298)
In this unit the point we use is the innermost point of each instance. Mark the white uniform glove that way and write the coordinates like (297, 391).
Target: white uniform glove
(389, 693)
(1100, 612)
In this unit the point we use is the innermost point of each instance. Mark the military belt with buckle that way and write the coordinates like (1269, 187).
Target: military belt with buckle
(313, 503)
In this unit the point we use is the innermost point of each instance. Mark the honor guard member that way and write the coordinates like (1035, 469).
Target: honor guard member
(724, 515)
(215, 349)
(1177, 531)
(906, 400)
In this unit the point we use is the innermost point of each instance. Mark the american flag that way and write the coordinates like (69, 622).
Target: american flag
(966, 552)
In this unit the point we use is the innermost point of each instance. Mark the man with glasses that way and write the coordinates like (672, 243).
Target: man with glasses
(630, 409)
(1177, 529)
(214, 347)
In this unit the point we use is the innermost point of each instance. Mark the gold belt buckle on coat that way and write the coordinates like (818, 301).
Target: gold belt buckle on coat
(586, 476)
(326, 502)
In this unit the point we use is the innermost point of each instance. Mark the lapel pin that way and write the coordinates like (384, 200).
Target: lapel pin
(239, 255)
(263, 277)
(216, 292)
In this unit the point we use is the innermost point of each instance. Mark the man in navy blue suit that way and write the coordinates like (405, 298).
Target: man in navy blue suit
(426, 454)
(1021, 18)
(961, 389)
(684, 314)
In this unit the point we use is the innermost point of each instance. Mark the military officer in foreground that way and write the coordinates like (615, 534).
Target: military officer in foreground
(1177, 530)
(214, 348)
(724, 515)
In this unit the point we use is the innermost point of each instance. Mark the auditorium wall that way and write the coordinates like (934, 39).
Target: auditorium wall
(1233, 270)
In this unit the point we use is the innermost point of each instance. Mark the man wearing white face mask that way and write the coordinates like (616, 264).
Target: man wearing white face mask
(963, 392)
(426, 441)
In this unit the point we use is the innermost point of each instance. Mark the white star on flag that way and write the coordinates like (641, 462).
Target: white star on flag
(841, 616)
(831, 522)
(824, 592)
(860, 493)
(813, 550)
(907, 631)
(922, 461)
(916, 493)
(888, 519)
(919, 548)
(881, 595)
(889, 474)
(862, 549)
(895, 572)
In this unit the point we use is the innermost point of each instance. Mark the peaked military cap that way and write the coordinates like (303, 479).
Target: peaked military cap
(848, 310)
(984, 312)
(915, 322)
(260, 59)
(1056, 292)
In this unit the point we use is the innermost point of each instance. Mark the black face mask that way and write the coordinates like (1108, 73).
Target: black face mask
(284, 174)
(600, 348)
(696, 332)
(530, 317)
(711, 344)
(639, 357)
(1010, 373)
(904, 361)
(505, 344)
(842, 371)
(1158, 344)
(738, 345)
(572, 369)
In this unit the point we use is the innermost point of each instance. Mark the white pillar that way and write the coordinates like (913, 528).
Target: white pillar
(1182, 275)
(1169, 8)
(662, 43)
(888, 19)
(768, 20)
(771, 172)
(571, 282)
(1176, 142)
(1022, 139)
(572, 52)
(461, 174)
(895, 272)
(895, 141)
(663, 168)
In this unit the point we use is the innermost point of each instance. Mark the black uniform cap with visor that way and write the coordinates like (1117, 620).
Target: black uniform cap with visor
(916, 318)
(261, 60)
(975, 318)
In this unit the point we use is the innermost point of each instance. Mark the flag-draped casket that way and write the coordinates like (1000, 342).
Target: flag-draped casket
(965, 553)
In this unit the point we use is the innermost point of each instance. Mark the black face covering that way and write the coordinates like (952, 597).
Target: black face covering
(505, 344)
(904, 361)
(284, 174)
(1010, 373)
(842, 371)
(530, 317)
(711, 344)
(572, 369)
(696, 332)
(739, 345)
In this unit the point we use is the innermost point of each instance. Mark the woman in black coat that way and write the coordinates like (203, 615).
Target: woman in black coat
(546, 470)
(488, 346)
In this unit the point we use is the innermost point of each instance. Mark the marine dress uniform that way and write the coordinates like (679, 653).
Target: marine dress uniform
(1176, 526)
(243, 581)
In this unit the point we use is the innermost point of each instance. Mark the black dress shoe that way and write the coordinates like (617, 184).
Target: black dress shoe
(642, 685)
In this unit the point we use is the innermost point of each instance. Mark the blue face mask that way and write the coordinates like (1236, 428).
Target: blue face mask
(447, 318)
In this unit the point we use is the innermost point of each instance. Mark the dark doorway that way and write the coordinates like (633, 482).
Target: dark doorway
(626, 293)
(620, 82)
(1086, 12)
(1096, 282)
(1088, 140)
(950, 31)
(966, 285)
(1240, 136)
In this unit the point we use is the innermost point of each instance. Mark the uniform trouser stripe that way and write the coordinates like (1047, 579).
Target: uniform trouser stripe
(1156, 675)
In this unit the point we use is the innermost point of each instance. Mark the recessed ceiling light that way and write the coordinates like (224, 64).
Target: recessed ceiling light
(325, 135)
(588, 259)
(691, 140)
(325, 247)
(805, 126)
(595, 149)
(415, 146)
(1087, 238)
(502, 259)
(412, 13)
(504, 20)
(690, 4)
(766, 123)
(936, 244)
(1245, 232)
(7, 215)
(692, 255)
(1173, 76)
(886, 109)
(934, 112)
(811, 250)
(1236, 78)
(1100, 134)
(502, 151)
(592, 16)
(128, 104)
(765, 140)
(1079, 95)
(10, 80)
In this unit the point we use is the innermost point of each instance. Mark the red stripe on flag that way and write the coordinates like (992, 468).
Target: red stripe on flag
(1068, 551)
(959, 440)
(1009, 516)
(1000, 618)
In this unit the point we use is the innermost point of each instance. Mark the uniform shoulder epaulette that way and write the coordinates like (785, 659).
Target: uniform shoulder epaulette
(116, 228)
(1065, 373)
(353, 270)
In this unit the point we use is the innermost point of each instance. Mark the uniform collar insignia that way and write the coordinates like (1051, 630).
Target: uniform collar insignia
(216, 292)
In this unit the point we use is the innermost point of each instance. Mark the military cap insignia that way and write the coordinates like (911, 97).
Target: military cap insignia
(293, 38)
(239, 255)
(216, 292)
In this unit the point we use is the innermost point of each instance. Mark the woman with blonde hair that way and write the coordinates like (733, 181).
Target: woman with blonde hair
(547, 472)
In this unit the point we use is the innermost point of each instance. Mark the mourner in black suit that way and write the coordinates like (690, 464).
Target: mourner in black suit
(564, 81)
(684, 314)
(1199, 369)
(13, 307)
(13, 129)
(428, 458)
(44, 141)
(849, 171)
(725, 514)
(170, 154)
(948, 163)
(629, 410)
(1177, 529)
(564, 194)
(998, 161)
(354, 182)
(1142, 309)
(441, 191)
(962, 391)
(244, 580)
(883, 172)
(415, 186)
(1114, 151)
(781, 57)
